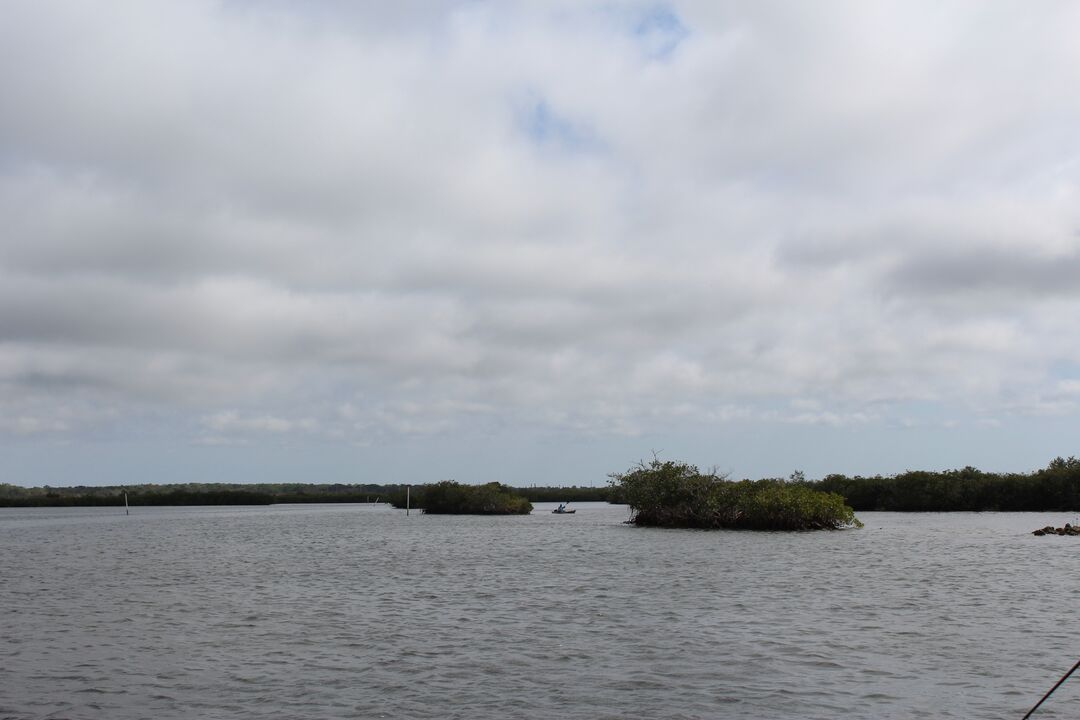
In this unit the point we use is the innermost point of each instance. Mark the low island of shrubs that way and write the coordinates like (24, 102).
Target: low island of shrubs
(452, 498)
(678, 495)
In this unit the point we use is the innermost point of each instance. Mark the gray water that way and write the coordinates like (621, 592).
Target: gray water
(357, 611)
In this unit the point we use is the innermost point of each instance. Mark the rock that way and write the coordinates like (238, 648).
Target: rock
(1069, 529)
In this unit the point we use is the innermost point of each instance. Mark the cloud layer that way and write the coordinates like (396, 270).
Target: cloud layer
(235, 222)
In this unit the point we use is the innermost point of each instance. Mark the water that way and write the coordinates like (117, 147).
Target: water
(347, 611)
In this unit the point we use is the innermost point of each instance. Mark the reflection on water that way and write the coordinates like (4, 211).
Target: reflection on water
(358, 611)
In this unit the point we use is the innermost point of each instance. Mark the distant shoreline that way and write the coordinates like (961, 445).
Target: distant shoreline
(1053, 488)
(254, 494)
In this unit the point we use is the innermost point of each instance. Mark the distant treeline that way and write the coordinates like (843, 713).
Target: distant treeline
(396, 495)
(251, 494)
(453, 498)
(568, 494)
(1055, 487)
(193, 494)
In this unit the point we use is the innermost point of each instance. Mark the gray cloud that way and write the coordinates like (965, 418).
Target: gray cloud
(1006, 274)
(343, 223)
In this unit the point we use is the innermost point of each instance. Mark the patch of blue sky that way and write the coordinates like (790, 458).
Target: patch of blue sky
(1065, 370)
(658, 30)
(547, 128)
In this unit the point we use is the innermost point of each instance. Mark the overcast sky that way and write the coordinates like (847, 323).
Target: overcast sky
(534, 242)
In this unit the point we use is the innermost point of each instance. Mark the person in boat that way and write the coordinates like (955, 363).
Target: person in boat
(562, 507)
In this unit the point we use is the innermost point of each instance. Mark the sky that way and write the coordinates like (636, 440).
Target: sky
(535, 242)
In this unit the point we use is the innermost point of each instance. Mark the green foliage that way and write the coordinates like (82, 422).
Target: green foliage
(253, 494)
(1054, 488)
(452, 498)
(673, 494)
(190, 494)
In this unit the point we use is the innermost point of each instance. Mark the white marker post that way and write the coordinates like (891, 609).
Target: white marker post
(126, 511)
(407, 489)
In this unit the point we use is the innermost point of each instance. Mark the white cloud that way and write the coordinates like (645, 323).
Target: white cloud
(28, 425)
(359, 223)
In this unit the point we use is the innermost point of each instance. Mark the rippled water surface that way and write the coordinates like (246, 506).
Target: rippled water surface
(359, 611)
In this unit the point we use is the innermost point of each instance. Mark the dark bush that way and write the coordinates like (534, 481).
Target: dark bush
(452, 498)
(673, 494)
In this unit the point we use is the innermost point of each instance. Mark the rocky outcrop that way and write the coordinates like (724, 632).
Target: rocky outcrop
(1067, 530)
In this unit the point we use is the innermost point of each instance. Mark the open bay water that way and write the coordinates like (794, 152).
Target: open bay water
(353, 611)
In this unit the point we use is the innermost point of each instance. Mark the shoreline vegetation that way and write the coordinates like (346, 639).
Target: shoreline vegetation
(677, 495)
(453, 498)
(1053, 488)
(259, 494)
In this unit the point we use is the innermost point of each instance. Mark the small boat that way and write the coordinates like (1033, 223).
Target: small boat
(563, 510)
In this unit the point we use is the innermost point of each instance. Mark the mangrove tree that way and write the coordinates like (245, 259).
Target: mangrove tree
(675, 494)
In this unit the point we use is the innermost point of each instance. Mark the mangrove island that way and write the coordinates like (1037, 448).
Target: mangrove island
(678, 495)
